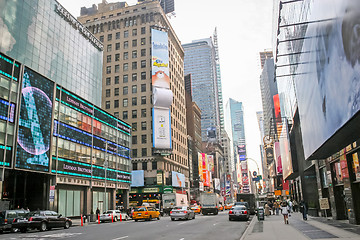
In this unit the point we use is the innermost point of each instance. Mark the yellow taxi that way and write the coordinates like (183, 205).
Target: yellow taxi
(196, 208)
(145, 213)
(221, 207)
(228, 206)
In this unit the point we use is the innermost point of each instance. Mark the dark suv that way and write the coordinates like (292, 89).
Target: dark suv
(8, 216)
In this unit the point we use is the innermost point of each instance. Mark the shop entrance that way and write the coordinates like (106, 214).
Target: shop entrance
(356, 195)
(341, 209)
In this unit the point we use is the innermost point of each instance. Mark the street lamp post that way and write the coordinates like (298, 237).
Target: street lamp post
(105, 168)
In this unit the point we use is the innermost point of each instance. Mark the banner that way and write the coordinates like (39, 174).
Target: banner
(278, 158)
(211, 163)
(161, 128)
(178, 179)
(160, 59)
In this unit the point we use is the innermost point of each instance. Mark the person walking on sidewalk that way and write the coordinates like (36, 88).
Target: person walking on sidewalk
(304, 209)
(277, 207)
(284, 211)
(267, 209)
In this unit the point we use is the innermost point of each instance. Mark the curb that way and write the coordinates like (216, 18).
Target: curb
(249, 227)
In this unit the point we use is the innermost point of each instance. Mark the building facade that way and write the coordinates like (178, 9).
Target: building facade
(129, 88)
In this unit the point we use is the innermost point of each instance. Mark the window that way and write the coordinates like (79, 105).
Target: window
(134, 154)
(108, 58)
(154, 165)
(134, 139)
(134, 54)
(134, 65)
(108, 69)
(125, 78)
(125, 102)
(116, 91)
(143, 41)
(144, 166)
(134, 89)
(143, 125)
(143, 100)
(125, 90)
(116, 79)
(134, 114)
(143, 152)
(125, 115)
(116, 103)
(134, 43)
(143, 138)
(108, 81)
(126, 55)
(116, 114)
(117, 35)
(117, 46)
(107, 93)
(134, 77)
(143, 76)
(101, 39)
(117, 68)
(143, 52)
(143, 112)
(134, 32)
(108, 48)
(134, 101)
(107, 104)
(143, 30)
(134, 166)
(143, 63)
(143, 87)
(109, 37)
(126, 66)
(117, 57)
(126, 34)
(126, 44)
(134, 127)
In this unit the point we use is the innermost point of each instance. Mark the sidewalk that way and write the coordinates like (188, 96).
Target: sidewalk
(273, 228)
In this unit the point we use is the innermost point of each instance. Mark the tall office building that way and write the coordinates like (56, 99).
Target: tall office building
(201, 61)
(59, 149)
(143, 82)
(266, 54)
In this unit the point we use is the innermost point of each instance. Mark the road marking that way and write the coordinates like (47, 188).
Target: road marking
(182, 238)
(121, 238)
(215, 224)
(182, 223)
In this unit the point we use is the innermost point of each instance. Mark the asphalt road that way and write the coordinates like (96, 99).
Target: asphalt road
(202, 227)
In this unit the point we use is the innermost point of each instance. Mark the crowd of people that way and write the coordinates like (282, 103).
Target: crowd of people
(286, 207)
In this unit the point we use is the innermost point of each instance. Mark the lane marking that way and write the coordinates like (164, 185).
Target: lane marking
(121, 238)
(182, 238)
(182, 223)
(215, 224)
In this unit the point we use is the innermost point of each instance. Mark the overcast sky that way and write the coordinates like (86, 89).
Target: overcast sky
(244, 29)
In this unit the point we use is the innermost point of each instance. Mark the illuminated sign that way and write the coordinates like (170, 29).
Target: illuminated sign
(34, 134)
(6, 67)
(4, 110)
(78, 26)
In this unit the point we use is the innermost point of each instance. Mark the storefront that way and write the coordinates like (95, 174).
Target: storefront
(151, 195)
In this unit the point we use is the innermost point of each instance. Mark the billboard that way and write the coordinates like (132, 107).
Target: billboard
(211, 134)
(211, 163)
(217, 184)
(269, 154)
(160, 59)
(278, 158)
(161, 128)
(178, 179)
(285, 151)
(34, 134)
(201, 156)
(137, 178)
(328, 89)
(242, 149)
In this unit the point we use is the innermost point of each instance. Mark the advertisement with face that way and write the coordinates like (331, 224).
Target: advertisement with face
(34, 135)
(285, 152)
(329, 90)
(160, 59)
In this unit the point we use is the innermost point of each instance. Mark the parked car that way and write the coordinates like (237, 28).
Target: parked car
(8, 216)
(114, 215)
(41, 220)
(239, 212)
(146, 213)
(182, 212)
(196, 208)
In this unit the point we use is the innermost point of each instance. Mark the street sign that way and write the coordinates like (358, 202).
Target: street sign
(254, 173)
(324, 203)
(256, 179)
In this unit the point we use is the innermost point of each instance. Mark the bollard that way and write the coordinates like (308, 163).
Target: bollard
(98, 218)
(120, 217)
(82, 223)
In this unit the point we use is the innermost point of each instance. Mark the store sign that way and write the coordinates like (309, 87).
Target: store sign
(76, 102)
(72, 181)
(78, 26)
(324, 203)
(168, 189)
(150, 190)
(159, 178)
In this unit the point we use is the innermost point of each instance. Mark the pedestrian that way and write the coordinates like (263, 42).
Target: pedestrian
(304, 209)
(295, 205)
(290, 204)
(97, 212)
(284, 211)
(267, 210)
(277, 207)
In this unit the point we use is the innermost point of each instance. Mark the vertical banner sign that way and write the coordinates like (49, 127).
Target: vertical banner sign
(162, 95)
(200, 160)
(269, 153)
(278, 158)
(211, 164)
(33, 142)
(52, 194)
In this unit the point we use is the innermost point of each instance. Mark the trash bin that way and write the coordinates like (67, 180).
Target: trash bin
(260, 213)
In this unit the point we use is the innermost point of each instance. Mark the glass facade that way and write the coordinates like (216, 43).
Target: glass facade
(44, 37)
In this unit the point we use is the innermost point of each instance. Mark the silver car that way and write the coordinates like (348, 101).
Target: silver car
(239, 212)
(182, 212)
(113, 215)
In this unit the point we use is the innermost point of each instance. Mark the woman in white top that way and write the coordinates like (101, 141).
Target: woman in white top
(284, 211)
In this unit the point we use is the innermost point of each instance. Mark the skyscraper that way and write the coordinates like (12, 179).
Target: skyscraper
(266, 54)
(201, 61)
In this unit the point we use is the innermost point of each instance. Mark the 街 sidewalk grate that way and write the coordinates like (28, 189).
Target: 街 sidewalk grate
(311, 231)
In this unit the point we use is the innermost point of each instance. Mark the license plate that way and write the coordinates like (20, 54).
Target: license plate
(237, 214)
(21, 220)
(139, 214)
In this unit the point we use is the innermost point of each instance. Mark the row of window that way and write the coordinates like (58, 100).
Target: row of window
(134, 77)
(135, 152)
(143, 126)
(134, 114)
(134, 54)
(126, 67)
(143, 139)
(126, 102)
(109, 47)
(125, 90)
(125, 34)
(144, 166)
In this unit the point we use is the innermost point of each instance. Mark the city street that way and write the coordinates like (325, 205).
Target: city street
(202, 227)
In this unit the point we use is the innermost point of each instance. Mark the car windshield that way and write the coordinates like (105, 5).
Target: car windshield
(109, 211)
(239, 208)
(140, 209)
(179, 208)
(32, 214)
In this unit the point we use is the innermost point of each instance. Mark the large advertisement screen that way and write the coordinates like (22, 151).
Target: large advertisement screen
(160, 59)
(9, 68)
(137, 178)
(285, 152)
(178, 179)
(328, 88)
(34, 135)
(161, 128)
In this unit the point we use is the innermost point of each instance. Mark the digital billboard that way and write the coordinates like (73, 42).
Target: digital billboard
(328, 89)
(5, 114)
(285, 152)
(278, 158)
(161, 128)
(178, 179)
(160, 59)
(137, 178)
(34, 134)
